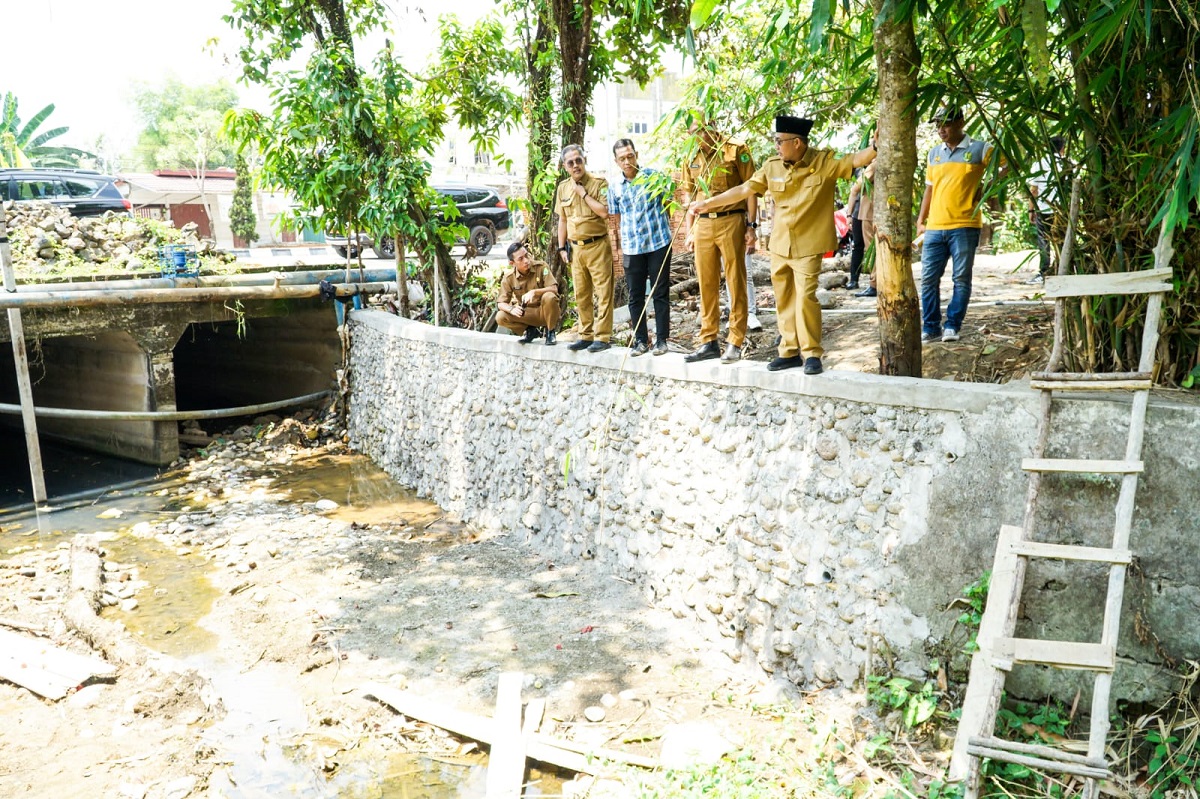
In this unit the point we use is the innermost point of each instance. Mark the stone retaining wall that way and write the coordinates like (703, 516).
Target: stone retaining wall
(809, 523)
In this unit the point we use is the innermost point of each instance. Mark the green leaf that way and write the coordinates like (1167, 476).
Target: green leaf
(702, 11)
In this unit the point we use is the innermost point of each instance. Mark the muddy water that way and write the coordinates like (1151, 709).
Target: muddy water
(265, 740)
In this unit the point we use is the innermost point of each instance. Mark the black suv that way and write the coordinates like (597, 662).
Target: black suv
(81, 191)
(481, 211)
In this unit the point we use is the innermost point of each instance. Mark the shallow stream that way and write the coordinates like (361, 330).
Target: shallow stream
(268, 745)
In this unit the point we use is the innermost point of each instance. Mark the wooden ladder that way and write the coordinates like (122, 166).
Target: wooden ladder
(998, 649)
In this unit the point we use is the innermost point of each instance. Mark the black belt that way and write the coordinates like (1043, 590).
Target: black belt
(716, 214)
(586, 242)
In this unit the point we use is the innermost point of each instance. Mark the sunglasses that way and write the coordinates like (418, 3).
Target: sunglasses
(573, 162)
(778, 140)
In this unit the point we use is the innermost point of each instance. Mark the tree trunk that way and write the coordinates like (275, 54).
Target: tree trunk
(898, 62)
(401, 278)
(542, 152)
(575, 22)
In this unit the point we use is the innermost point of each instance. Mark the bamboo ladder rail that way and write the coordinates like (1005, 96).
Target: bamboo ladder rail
(998, 649)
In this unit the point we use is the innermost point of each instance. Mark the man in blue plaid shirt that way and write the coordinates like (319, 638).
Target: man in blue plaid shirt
(639, 200)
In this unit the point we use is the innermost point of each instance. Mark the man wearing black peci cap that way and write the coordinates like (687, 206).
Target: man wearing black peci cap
(802, 183)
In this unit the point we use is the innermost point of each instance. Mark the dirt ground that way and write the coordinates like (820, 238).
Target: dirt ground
(273, 575)
(1007, 332)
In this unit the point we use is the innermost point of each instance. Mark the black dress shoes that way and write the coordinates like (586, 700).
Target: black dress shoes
(706, 352)
(530, 334)
(869, 291)
(598, 346)
(582, 344)
(780, 364)
(551, 338)
(812, 366)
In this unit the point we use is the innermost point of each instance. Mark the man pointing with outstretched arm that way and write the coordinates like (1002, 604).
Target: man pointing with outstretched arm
(802, 183)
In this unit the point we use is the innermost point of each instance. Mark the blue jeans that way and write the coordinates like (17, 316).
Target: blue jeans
(941, 245)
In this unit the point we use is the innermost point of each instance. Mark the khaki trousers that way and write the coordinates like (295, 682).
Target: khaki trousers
(592, 272)
(868, 227)
(543, 313)
(796, 307)
(721, 241)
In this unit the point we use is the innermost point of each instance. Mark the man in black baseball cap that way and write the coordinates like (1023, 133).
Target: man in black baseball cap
(948, 113)
(950, 221)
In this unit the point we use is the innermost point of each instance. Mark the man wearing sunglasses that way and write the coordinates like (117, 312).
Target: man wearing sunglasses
(802, 183)
(582, 205)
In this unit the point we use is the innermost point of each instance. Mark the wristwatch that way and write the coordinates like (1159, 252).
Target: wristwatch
(752, 225)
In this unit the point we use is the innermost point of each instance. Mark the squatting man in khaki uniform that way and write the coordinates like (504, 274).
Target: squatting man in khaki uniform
(723, 234)
(802, 183)
(582, 205)
(528, 297)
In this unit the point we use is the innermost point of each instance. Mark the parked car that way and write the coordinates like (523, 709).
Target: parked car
(83, 192)
(481, 210)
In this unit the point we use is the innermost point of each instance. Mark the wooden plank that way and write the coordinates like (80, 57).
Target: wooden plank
(981, 680)
(535, 711)
(23, 626)
(1037, 549)
(542, 748)
(1091, 385)
(1037, 762)
(1086, 376)
(1145, 281)
(45, 669)
(506, 763)
(1046, 752)
(1081, 466)
(1060, 654)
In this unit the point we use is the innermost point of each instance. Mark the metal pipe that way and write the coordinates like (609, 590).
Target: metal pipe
(167, 416)
(208, 281)
(69, 299)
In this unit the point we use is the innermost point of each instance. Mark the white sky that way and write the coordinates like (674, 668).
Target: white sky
(85, 56)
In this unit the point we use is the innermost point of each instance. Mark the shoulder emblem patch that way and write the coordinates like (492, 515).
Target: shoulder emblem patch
(745, 157)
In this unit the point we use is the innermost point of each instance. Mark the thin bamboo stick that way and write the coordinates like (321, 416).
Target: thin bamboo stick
(16, 330)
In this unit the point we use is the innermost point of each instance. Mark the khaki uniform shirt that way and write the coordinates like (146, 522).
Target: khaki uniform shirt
(866, 202)
(709, 174)
(582, 221)
(514, 285)
(803, 194)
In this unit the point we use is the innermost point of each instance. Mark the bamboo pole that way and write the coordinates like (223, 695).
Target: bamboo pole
(16, 330)
(79, 299)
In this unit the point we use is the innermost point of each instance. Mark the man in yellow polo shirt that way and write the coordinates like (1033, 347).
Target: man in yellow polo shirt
(950, 219)
(802, 182)
(581, 202)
